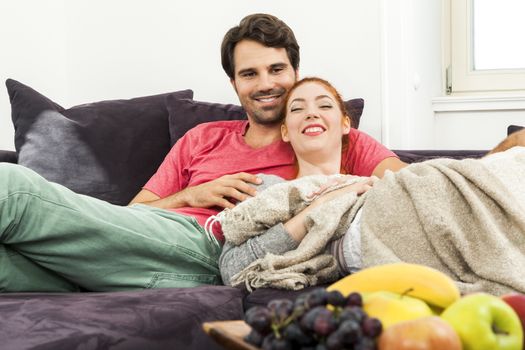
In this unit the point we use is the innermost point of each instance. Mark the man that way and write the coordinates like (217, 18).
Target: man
(261, 58)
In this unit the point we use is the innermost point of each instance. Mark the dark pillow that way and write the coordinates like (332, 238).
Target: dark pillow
(513, 128)
(354, 107)
(106, 149)
(187, 113)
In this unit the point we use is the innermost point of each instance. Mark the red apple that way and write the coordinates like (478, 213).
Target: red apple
(517, 302)
(427, 333)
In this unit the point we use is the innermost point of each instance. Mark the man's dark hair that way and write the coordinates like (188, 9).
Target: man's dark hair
(265, 29)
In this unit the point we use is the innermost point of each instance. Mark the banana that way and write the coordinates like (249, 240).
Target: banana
(419, 281)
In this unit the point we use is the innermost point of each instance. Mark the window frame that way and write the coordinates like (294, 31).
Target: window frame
(460, 76)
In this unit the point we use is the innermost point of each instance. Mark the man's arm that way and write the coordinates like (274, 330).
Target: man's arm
(214, 193)
(515, 139)
(390, 163)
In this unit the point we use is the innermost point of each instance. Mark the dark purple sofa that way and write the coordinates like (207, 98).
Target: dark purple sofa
(108, 150)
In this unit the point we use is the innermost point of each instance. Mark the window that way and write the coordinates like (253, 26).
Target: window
(486, 46)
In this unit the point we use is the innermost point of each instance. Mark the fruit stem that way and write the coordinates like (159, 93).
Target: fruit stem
(275, 329)
(295, 314)
(405, 293)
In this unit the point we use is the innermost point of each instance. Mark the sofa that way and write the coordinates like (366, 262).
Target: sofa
(108, 150)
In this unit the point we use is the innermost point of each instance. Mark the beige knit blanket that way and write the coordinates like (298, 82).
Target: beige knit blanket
(308, 264)
(465, 218)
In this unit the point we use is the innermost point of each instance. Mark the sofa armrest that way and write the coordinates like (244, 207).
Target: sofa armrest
(8, 156)
(416, 156)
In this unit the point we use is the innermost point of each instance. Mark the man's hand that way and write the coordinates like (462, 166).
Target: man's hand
(219, 192)
(214, 193)
(390, 163)
(515, 139)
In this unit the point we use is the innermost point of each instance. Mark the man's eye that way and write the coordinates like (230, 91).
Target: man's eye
(248, 75)
(277, 70)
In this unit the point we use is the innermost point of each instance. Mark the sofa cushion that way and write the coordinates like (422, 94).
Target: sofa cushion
(8, 156)
(106, 149)
(417, 156)
(355, 107)
(262, 296)
(187, 113)
(169, 318)
(184, 114)
(513, 128)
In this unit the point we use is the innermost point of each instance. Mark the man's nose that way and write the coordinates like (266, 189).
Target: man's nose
(266, 82)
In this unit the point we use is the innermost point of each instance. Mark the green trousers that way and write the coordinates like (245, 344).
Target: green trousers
(52, 239)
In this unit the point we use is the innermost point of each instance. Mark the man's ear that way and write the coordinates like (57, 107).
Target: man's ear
(346, 125)
(284, 133)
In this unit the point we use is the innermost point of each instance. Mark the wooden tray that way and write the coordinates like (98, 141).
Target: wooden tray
(229, 334)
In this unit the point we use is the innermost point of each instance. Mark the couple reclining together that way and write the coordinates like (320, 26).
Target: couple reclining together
(463, 217)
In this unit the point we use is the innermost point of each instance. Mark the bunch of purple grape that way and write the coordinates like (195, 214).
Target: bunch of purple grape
(317, 320)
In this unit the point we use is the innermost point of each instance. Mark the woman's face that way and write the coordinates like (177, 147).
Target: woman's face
(314, 121)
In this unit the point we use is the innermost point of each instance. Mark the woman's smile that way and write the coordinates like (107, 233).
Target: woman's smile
(313, 130)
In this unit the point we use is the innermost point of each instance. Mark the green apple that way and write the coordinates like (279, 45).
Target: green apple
(484, 322)
(392, 308)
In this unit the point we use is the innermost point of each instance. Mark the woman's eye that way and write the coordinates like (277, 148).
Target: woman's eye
(295, 109)
(326, 106)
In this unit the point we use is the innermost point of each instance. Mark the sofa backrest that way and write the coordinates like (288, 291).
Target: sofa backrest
(109, 149)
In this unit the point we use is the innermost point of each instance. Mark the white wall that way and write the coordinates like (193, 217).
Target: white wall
(32, 38)
(475, 130)
(386, 51)
(411, 72)
(82, 51)
(415, 112)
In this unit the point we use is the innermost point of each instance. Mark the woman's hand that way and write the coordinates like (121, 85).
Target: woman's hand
(359, 188)
(296, 227)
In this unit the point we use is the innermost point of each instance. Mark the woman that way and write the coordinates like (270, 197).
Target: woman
(465, 218)
(317, 127)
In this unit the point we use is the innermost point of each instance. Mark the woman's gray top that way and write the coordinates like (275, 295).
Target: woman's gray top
(277, 240)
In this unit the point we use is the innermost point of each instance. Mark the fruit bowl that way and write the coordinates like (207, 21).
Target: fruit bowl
(229, 334)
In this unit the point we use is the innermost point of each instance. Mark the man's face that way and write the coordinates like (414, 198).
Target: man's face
(263, 76)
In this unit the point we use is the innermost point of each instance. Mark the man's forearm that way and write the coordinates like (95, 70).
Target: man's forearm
(215, 193)
(176, 200)
(515, 139)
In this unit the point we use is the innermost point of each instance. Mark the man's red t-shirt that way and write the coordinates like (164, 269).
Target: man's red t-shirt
(211, 150)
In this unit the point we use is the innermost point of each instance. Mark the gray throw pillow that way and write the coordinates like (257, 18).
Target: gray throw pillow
(106, 149)
(187, 113)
